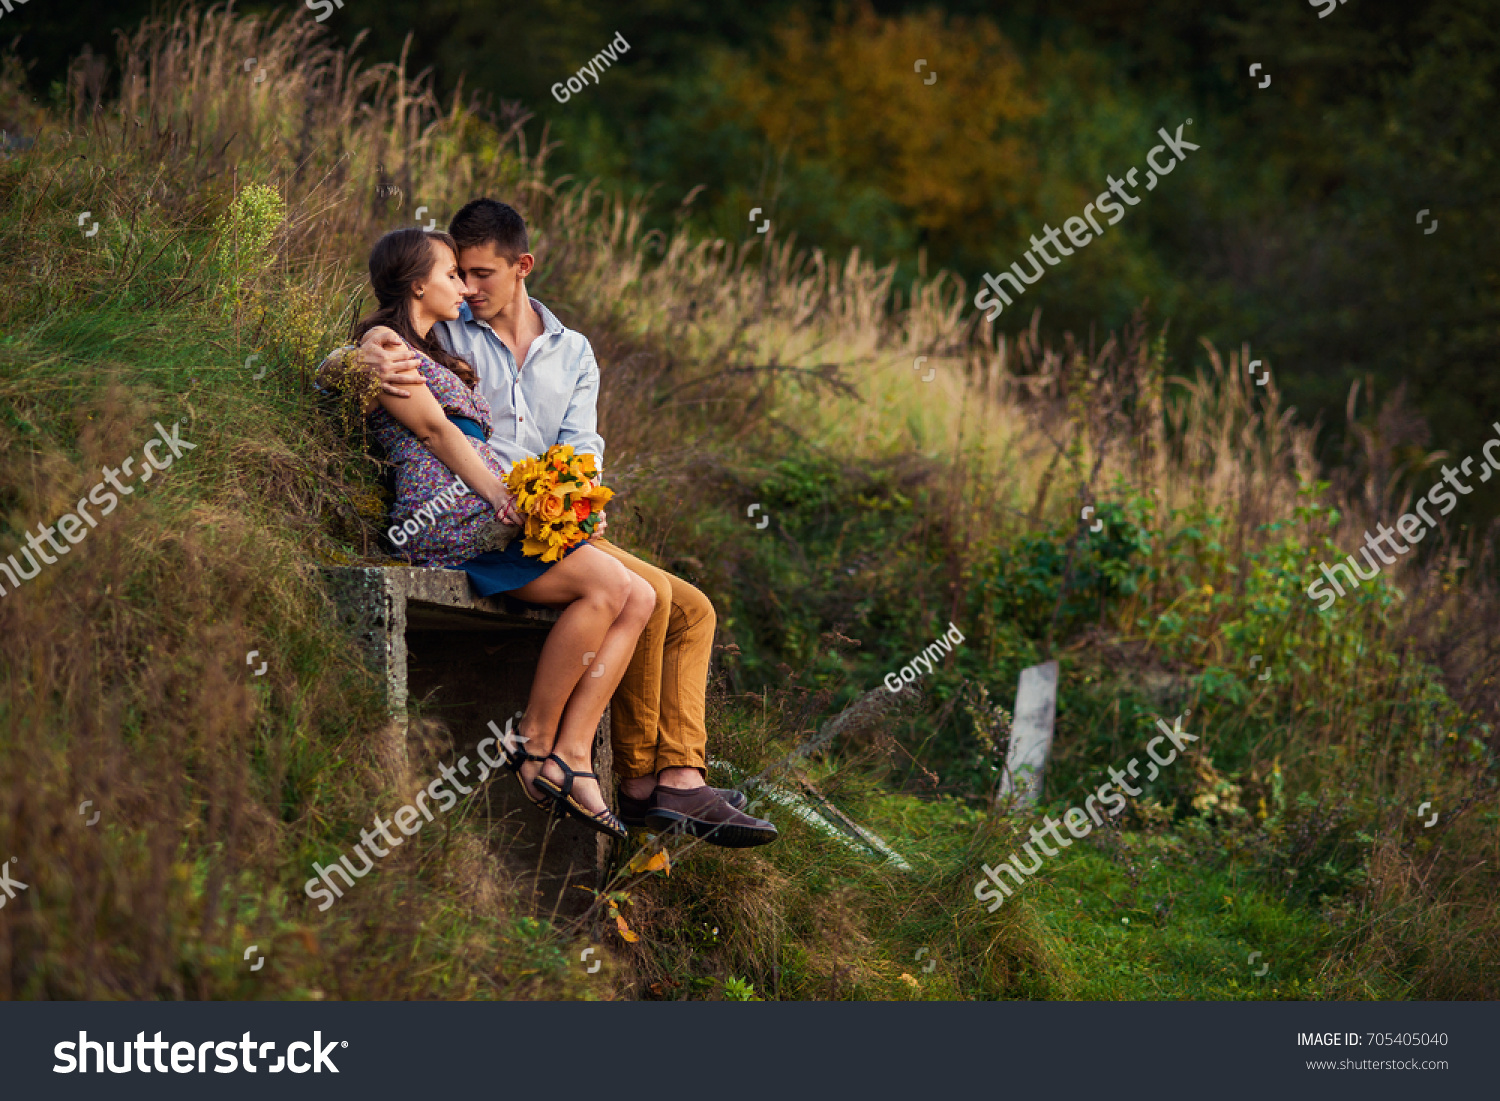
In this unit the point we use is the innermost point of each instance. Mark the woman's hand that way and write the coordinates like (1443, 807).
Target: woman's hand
(603, 523)
(505, 506)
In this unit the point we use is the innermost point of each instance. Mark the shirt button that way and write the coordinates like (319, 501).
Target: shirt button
(521, 419)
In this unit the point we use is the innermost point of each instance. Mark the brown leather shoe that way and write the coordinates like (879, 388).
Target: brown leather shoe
(633, 811)
(701, 812)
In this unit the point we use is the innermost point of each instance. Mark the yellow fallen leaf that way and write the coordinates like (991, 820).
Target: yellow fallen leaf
(658, 861)
(624, 930)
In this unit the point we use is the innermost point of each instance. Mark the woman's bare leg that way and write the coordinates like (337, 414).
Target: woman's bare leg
(605, 607)
(575, 737)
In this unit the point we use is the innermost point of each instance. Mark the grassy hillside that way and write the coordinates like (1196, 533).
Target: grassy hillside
(233, 220)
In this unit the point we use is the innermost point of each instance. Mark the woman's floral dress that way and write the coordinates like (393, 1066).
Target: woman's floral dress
(452, 525)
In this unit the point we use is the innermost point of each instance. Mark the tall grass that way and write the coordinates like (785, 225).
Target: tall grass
(235, 216)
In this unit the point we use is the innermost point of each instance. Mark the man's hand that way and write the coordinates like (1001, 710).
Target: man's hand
(391, 360)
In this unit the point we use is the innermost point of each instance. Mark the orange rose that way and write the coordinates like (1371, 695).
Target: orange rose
(581, 509)
(551, 508)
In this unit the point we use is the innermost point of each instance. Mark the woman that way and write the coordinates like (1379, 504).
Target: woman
(453, 507)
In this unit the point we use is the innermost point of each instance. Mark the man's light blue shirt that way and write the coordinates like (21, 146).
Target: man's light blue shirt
(551, 399)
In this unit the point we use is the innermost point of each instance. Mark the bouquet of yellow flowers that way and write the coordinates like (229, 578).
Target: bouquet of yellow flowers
(560, 497)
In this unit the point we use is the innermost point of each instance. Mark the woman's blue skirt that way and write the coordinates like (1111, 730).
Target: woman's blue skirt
(504, 571)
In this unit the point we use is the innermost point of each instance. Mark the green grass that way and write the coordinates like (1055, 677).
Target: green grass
(1127, 914)
(1177, 929)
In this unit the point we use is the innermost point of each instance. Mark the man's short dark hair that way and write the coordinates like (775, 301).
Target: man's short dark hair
(490, 222)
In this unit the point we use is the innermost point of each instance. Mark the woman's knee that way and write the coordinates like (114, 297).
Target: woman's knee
(609, 584)
(642, 602)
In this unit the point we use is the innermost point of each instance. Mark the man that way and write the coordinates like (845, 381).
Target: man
(658, 717)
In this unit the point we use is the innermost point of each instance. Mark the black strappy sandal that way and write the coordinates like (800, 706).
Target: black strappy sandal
(513, 761)
(604, 821)
(547, 802)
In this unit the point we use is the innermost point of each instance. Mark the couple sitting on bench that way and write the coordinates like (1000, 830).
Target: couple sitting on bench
(474, 376)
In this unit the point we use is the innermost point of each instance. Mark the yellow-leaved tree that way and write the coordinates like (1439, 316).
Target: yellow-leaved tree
(955, 154)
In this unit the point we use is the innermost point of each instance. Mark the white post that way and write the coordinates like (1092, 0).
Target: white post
(1031, 732)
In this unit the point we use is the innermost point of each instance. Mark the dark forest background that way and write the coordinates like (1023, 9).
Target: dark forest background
(1293, 229)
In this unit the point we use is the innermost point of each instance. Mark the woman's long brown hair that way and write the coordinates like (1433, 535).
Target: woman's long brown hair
(399, 259)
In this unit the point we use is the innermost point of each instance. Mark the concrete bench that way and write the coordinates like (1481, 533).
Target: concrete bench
(469, 661)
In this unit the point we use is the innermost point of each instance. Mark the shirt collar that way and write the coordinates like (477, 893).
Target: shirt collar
(551, 326)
